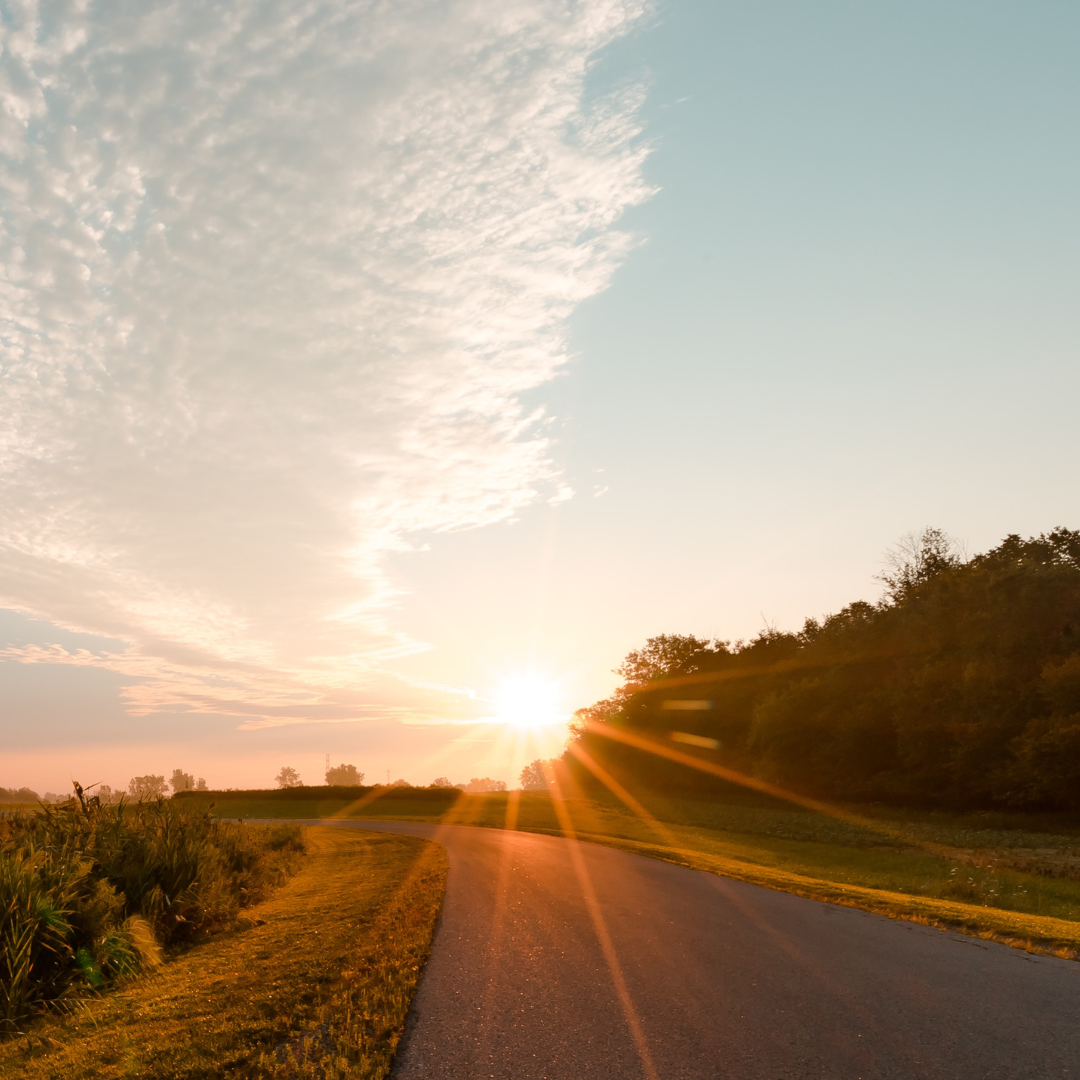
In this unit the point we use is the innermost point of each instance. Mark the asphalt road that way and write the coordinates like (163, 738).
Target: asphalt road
(571, 961)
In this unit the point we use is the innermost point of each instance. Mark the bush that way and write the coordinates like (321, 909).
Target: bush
(89, 892)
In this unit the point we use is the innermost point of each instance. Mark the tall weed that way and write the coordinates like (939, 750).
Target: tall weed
(90, 892)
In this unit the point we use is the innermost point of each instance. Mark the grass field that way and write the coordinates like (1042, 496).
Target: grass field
(316, 981)
(1010, 878)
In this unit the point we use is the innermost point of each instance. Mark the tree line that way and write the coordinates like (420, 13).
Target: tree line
(959, 688)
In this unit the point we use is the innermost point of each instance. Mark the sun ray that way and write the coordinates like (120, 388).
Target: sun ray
(613, 785)
(763, 786)
(592, 905)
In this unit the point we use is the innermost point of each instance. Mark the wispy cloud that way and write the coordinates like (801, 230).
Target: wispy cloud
(274, 275)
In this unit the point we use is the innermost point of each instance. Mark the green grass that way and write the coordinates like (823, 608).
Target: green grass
(315, 981)
(1005, 877)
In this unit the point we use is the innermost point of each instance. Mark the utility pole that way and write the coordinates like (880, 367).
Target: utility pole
(327, 762)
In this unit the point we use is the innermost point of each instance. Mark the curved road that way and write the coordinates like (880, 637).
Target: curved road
(563, 960)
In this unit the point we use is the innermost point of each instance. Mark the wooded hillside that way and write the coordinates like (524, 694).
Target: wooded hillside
(960, 688)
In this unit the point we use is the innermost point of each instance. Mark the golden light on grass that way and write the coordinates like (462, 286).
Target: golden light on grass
(315, 981)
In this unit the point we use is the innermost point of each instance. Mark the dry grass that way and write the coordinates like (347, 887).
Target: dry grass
(315, 982)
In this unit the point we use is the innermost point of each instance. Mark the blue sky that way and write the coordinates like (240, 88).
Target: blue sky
(845, 311)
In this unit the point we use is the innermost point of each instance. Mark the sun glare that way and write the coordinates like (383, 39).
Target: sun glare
(528, 701)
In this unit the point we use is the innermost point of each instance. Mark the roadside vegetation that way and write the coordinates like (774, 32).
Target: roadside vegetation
(313, 982)
(90, 894)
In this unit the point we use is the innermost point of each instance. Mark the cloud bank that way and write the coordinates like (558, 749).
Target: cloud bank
(274, 277)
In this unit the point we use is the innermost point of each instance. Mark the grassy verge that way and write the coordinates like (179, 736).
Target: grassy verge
(1012, 879)
(315, 981)
(1036, 933)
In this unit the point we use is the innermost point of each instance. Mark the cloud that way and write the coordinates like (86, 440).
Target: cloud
(273, 276)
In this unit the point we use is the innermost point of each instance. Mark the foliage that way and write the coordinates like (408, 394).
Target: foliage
(288, 778)
(183, 781)
(89, 891)
(484, 784)
(441, 782)
(17, 795)
(344, 776)
(960, 688)
(146, 787)
(534, 777)
(315, 983)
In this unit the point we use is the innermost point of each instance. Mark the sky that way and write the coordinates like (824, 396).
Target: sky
(374, 374)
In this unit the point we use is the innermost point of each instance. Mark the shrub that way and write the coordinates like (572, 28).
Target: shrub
(88, 892)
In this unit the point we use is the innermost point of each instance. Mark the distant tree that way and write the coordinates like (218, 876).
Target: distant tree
(288, 777)
(534, 777)
(50, 797)
(200, 785)
(481, 784)
(105, 793)
(344, 776)
(916, 558)
(441, 781)
(401, 783)
(146, 787)
(18, 795)
(182, 781)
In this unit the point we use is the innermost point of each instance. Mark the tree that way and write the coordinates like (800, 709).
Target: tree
(288, 777)
(482, 784)
(916, 559)
(182, 781)
(401, 783)
(441, 781)
(19, 795)
(200, 785)
(534, 777)
(146, 787)
(344, 776)
(666, 656)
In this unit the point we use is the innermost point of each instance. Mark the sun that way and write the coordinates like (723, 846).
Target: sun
(528, 701)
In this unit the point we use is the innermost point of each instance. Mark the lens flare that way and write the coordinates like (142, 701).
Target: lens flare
(528, 701)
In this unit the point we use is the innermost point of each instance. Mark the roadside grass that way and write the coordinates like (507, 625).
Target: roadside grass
(1011, 878)
(313, 982)
(89, 893)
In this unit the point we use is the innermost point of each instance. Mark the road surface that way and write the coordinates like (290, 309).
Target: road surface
(570, 961)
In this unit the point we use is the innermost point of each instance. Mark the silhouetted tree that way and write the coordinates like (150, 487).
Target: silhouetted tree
(288, 777)
(344, 776)
(144, 788)
(182, 781)
(482, 784)
(961, 687)
(534, 776)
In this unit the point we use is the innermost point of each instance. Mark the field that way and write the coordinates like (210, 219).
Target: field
(315, 981)
(1012, 878)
